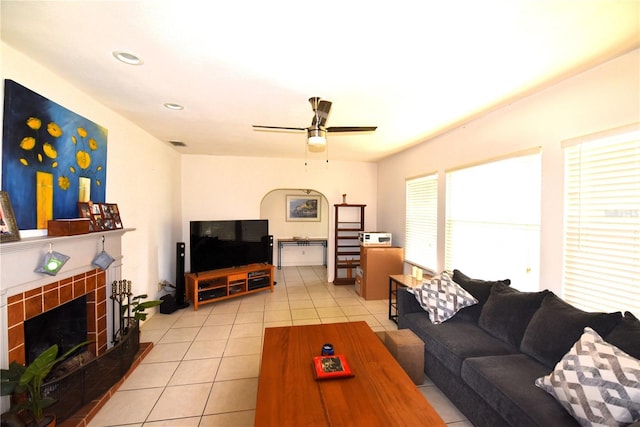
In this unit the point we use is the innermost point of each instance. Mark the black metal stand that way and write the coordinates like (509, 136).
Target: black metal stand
(120, 290)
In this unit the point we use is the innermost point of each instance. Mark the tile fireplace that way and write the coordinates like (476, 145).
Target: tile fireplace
(25, 293)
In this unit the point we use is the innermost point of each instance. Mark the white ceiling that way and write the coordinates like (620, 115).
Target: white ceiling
(412, 68)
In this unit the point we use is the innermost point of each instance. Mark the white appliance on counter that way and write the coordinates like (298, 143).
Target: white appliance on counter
(374, 238)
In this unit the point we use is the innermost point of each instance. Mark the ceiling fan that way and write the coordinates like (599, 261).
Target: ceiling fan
(317, 132)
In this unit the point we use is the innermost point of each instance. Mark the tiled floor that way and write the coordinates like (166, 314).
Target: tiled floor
(203, 369)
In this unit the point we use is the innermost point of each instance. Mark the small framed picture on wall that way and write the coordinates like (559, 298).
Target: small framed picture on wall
(303, 208)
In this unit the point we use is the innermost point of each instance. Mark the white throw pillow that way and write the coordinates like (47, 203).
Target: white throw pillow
(596, 382)
(442, 298)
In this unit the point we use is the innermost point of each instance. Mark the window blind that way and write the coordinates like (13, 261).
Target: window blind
(602, 223)
(421, 221)
(493, 220)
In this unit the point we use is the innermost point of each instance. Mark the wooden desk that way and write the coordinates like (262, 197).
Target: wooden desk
(380, 393)
(302, 242)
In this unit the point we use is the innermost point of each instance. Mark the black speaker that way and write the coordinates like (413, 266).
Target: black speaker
(270, 249)
(180, 288)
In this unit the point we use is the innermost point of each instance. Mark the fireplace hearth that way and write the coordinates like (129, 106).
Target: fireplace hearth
(91, 380)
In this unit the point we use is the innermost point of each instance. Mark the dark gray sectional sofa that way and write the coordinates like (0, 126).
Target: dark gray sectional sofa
(487, 357)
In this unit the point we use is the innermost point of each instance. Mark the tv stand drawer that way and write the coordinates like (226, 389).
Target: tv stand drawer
(236, 277)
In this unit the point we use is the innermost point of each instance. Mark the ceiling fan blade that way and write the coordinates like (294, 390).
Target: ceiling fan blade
(276, 127)
(351, 128)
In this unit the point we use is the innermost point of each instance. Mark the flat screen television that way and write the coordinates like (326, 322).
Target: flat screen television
(229, 243)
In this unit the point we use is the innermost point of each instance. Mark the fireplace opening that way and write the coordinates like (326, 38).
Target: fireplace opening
(65, 325)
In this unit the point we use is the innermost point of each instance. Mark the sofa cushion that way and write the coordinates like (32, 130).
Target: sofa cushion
(557, 325)
(506, 383)
(626, 335)
(454, 340)
(480, 289)
(508, 311)
(596, 382)
(441, 297)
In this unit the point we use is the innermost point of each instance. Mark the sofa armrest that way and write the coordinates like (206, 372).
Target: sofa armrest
(407, 303)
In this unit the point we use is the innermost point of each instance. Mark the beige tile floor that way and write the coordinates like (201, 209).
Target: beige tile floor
(203, 369)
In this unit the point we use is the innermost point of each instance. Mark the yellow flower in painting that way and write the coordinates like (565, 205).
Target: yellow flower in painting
(98, 182)
(72, 169)
(40, 157)
(64, 183)
(54, 164)
(99, 168)
(34, 123)
(82, 132)
(49, 150)
(24, 162)
(93, 144)
(74, 139)
(83, 159)
(54, 130)
(27, 143)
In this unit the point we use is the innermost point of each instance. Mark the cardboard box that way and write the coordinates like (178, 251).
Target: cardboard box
(68, 227)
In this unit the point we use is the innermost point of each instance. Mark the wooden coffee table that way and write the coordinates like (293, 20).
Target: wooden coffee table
(379, 394)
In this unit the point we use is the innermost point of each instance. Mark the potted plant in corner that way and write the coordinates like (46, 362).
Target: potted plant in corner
(26, 382)
(131, 314)
(138, 307)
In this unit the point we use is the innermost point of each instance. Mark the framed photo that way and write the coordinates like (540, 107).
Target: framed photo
(8, 228)
(335, 366)
(111, 216)
(103, 216)
(303, 208)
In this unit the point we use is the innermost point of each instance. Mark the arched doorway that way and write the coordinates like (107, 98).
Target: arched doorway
(275, 206)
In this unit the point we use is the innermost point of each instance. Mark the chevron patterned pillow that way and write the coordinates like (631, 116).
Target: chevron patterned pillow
(441, 297)
(596, 382)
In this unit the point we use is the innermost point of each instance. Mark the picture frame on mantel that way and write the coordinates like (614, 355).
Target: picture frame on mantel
(8, 228)
(103, 216)
(303, 208)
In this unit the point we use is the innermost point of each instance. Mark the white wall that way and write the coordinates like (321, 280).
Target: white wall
(143, 175)
(605, 97)
(233, 187)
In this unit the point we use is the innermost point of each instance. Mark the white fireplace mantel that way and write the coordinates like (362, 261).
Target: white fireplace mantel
(18, 260)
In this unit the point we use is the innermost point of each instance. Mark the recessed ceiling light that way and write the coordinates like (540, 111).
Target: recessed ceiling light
(173, 106)
(127, 58)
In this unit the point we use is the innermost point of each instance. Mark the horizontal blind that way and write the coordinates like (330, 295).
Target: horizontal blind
(602, 224)
(493, 220)
(421, 221)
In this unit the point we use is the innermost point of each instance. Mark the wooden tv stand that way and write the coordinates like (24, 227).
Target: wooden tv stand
(225, 283)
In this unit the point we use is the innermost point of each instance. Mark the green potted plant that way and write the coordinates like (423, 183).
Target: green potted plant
(131, 314)
(138, 307)
(26, 382)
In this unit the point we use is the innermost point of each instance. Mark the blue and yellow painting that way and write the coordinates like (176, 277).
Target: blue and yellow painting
(52, 158)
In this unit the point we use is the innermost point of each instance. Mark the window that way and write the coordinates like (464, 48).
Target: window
(602, 222)
(421, 221)
(493, 220)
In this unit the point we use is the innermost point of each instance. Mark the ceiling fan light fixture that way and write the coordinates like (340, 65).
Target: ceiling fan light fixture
(316, 138)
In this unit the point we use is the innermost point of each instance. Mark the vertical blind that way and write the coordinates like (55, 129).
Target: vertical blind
(602, 223)
(421, 221)
(493, 220)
